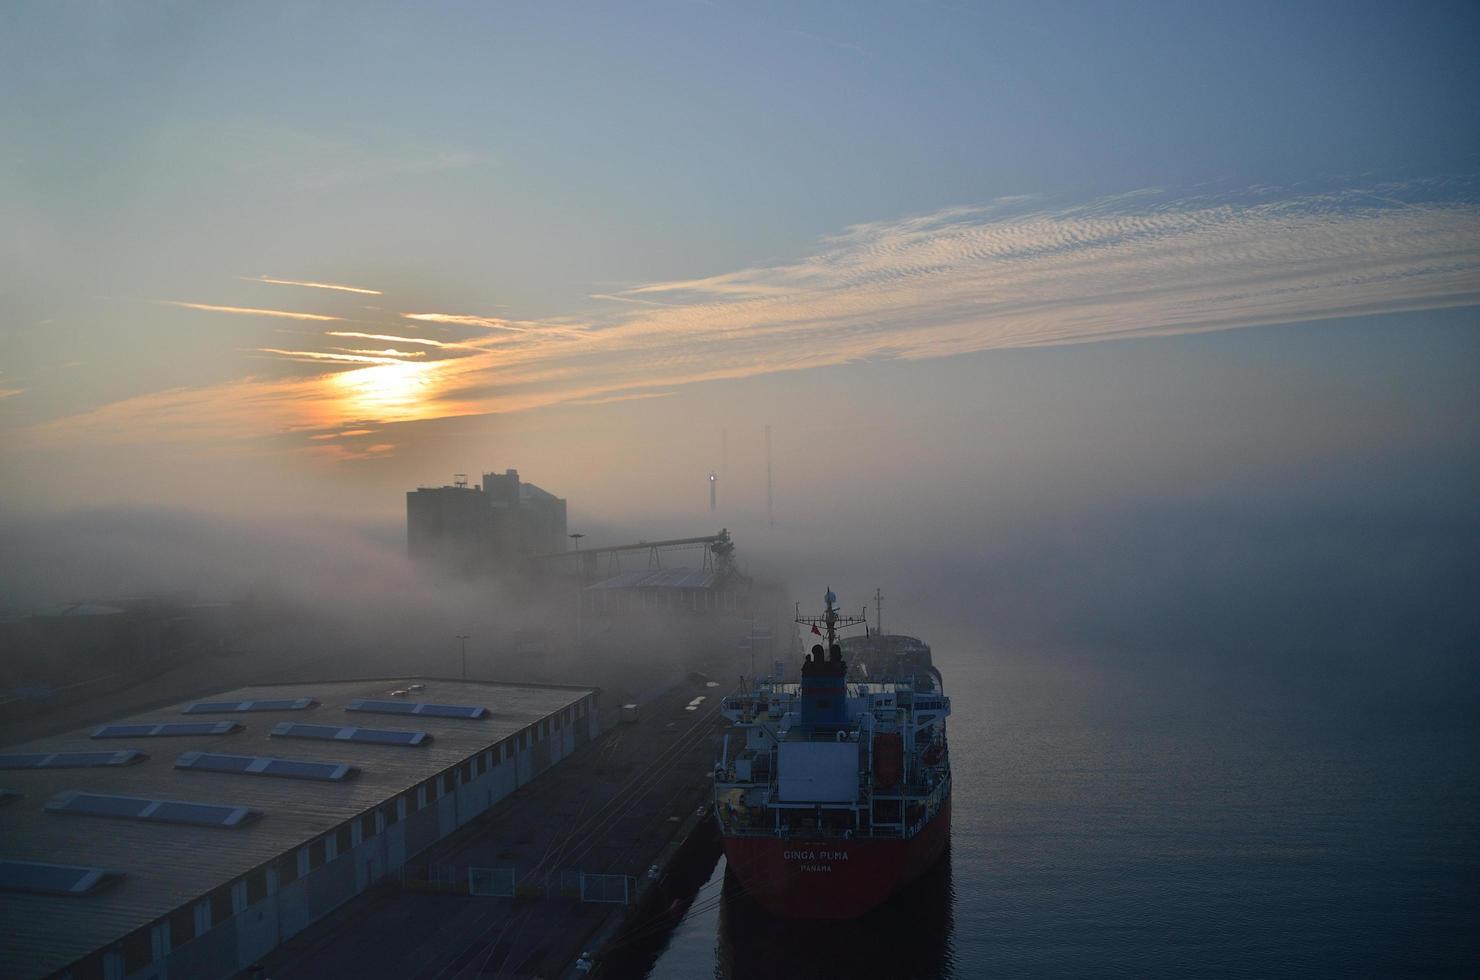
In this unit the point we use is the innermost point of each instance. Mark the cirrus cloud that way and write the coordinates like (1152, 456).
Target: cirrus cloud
(1012, 273)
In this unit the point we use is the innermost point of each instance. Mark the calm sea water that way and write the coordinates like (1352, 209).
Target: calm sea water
(1109, 823)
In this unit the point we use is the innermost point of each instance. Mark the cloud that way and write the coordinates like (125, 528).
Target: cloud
(487, 322)
(634, 397)
(348, 357)
(11, 392)
(341, 453)
(247, 310)
(1010, 273)
(346, 434)
(388, 352)
(970, 279)
(393, 338)
(613, 297)
(311, 285)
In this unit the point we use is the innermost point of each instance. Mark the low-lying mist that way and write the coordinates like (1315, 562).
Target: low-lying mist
(1363, 593)
(1353, 598)
(1325, 545)
(326, 598)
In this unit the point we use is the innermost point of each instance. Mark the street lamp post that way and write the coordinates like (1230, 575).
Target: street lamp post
(463, 639)
(580, 581)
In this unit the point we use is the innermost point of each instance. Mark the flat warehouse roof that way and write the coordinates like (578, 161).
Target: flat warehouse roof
(165, 865)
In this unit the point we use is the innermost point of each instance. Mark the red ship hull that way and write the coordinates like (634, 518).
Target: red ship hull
(830, 878)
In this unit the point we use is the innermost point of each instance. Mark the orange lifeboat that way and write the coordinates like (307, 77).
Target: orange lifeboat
(888, 760)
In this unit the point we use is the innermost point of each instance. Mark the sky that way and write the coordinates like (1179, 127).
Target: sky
(290, 259)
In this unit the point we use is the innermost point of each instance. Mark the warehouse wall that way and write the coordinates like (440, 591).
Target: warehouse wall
(299, 892)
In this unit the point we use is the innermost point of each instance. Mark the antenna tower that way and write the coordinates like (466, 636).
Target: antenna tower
(770, 514)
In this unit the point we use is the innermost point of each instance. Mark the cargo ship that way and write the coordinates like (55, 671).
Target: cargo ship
(833, 792)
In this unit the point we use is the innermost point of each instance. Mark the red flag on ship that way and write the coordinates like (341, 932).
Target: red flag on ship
(815, 630)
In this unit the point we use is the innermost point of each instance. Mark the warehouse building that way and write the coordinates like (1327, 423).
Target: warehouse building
(471, 530)
(192, 840)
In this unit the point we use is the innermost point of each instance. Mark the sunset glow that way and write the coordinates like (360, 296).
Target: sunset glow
(399, 392)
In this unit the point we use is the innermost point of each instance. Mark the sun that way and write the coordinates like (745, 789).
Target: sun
(399, 392)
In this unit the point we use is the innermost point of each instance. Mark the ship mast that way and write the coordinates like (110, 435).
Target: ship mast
(830, 619)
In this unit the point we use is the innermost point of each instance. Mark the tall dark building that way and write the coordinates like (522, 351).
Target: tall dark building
(471, 530)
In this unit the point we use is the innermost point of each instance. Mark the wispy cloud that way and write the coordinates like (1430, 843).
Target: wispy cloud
(11, 392)
(247, 310)
(388, 352)
(393, 338)
(338, 452)
(485, 322)
(347, 357)
(634, 397)
(311, 285)
(1007, 274)
(346, 434)
(615, 298)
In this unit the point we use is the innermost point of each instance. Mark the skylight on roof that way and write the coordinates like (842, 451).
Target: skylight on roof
(167, 729)
(69, 760)
(417, 708)
(345, 733)
(51, 879)
(261, 704)
(156, 811)
(257, 765)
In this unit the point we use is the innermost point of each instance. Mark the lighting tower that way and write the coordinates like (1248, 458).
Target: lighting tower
(770, 514)
(713, 476)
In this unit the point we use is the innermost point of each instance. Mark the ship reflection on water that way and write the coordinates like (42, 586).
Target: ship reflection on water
(909, 936)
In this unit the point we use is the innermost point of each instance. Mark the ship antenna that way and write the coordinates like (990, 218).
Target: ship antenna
(831, 618)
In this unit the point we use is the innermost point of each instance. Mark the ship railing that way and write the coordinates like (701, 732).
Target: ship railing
(861, 833)
(827, 735)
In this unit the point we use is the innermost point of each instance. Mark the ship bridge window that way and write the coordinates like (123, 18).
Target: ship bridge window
(155, 811)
